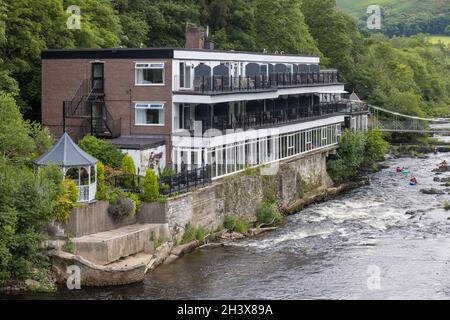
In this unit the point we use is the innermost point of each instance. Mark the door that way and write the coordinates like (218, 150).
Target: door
(98, 79)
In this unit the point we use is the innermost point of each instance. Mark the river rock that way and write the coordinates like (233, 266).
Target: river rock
(436, 179)
(446, 179)
(432, 191)
(441, 169)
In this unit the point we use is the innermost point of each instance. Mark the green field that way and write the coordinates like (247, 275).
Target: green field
(358, 8)
(437, 39)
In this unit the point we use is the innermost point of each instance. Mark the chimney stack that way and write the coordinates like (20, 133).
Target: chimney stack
(197, 38)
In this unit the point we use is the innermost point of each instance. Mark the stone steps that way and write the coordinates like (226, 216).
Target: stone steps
(107, 247)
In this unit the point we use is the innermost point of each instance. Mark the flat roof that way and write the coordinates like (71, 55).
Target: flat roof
(159, 53)
(139, 142)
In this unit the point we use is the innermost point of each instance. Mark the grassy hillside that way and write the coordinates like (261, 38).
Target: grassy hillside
(357, 8)
(437, 39)
(404, 17)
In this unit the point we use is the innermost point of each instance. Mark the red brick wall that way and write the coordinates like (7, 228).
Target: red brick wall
(61, 79)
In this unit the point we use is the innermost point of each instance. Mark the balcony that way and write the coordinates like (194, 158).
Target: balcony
(216, 84)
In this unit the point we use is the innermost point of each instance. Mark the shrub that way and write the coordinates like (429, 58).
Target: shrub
(349, 157)
(375, 146)
(151, 187)
(127, 165)
(124, 208)
(233, 223)
(102, 150)
(446, 205)
(100, 176)
(268, 213)
(167, 172)
(191, 233)
(66, 201)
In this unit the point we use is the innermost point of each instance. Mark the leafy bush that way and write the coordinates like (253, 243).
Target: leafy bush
(167, 172)
(356, 149)
(268, 213)
(233, 223)
(27, 198)
(446, 205)
(124, 208)
(127, 165)
(66, 201)
(348, 158)
(375, 146)
(101, 184)
(102, 150)
(191, 233)
(151, 187)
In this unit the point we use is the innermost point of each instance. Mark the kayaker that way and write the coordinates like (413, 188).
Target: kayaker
(413, 180)
(399, 169)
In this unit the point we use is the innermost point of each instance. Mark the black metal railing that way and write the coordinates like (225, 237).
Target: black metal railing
(185, 181)
(273, 81)
(274, 117)
(181, 182)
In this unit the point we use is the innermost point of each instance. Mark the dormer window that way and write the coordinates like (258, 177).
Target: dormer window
(148, 74)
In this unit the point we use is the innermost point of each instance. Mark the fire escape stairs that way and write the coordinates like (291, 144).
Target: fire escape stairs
(88, 105)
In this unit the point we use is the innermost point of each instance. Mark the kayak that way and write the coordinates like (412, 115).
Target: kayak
(412, 184)
(405, 172)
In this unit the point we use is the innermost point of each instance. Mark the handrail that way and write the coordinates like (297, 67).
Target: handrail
(272, 81)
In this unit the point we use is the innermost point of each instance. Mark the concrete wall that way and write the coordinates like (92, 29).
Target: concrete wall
(93, 218)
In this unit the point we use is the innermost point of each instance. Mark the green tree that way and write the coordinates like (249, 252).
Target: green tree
(151, 186)
(103, 150)
(127, 165)
(375, 146)
(280, 26)
(349, 156)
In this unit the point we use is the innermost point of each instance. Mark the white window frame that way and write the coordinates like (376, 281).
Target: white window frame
(150, 65)
(149, 106)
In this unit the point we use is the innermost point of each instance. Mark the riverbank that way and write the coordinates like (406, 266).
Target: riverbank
(322, 253)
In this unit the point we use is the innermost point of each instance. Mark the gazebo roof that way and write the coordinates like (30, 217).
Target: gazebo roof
(354, 97)
(66, 154)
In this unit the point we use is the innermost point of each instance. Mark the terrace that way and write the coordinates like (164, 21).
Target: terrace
(222, 83)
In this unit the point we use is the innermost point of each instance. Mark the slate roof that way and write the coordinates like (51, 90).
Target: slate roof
(66, 153)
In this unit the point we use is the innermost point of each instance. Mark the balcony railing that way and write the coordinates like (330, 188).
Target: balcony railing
(227, 84)
(261, 119)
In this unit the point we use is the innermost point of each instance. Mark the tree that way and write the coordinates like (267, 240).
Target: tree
(335, 33)
(280, 26)
(27, 198)
(127, 165)
(103, 150)
(151, 186)
(375, 146)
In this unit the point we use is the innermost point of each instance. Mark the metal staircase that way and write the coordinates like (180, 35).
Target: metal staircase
(88, 112)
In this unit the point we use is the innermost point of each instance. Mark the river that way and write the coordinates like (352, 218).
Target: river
(382, 241)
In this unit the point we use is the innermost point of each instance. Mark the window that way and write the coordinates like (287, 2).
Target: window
(148, 74)
(149, 114)
(185, 75)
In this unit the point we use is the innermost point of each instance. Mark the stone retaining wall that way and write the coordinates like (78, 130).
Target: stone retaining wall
(295, 181)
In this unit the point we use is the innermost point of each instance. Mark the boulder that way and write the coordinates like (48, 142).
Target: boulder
(432, 191)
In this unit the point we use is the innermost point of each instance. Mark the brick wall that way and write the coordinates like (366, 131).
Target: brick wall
(61, 79)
